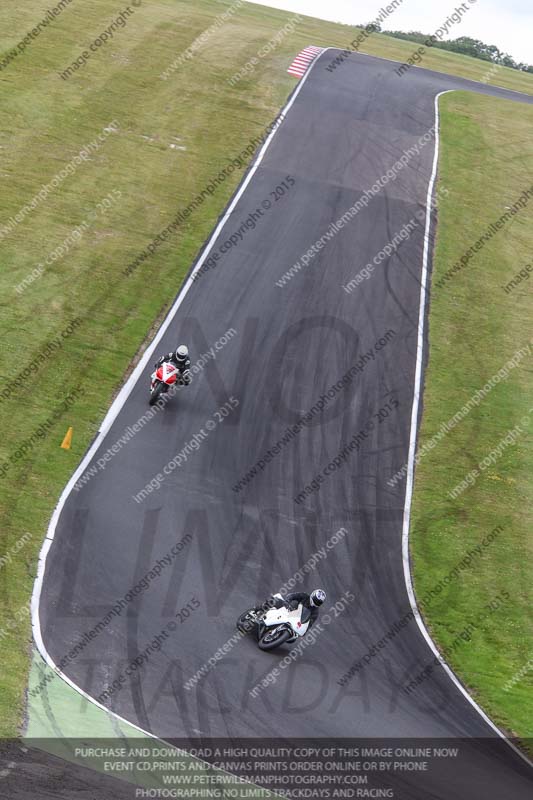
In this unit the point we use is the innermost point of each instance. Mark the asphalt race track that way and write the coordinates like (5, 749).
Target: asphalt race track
(293, 343)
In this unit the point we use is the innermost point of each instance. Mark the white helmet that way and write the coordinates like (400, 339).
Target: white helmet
(182, 352)
(317, 597)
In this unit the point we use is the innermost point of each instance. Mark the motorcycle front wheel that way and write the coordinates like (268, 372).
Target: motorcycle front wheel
(274, 638)
(156, 392)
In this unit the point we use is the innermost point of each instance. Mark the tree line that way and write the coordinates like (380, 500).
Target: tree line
(465, 45)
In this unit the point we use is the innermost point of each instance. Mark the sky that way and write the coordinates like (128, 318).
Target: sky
(506, 23)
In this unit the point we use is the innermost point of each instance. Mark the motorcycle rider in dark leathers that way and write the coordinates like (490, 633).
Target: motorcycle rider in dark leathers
(182, 362)
(310, 602)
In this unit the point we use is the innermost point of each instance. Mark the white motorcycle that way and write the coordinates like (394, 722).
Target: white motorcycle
(275, 626)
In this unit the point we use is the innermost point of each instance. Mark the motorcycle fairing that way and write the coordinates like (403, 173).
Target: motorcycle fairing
(277, 616)
(167, 373)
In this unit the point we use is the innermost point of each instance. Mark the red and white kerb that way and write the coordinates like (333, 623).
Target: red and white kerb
(303, 60)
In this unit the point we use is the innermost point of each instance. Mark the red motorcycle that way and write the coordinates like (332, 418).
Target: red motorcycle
(162, 379)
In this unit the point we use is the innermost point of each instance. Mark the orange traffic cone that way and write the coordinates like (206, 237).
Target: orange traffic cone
(67, 441)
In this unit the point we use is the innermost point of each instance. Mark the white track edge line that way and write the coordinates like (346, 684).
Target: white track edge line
(126, 390)
(412, 447)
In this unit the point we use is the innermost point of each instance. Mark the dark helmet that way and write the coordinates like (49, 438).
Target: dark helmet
(182, 353)
(318, 596)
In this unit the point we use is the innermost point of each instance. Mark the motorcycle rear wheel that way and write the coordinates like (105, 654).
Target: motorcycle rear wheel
(275, 638)
(247, 621)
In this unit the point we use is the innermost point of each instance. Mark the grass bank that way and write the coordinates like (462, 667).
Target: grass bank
(476, 478)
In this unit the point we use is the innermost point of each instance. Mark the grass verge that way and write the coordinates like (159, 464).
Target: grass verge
(480, 617)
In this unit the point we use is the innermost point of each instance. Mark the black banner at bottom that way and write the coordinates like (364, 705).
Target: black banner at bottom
(403, 769)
